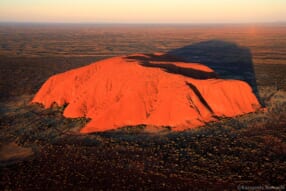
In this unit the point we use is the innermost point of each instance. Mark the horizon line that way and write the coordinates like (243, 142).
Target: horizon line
(141, 23)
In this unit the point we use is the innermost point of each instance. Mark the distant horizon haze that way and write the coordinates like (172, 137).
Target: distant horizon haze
(144, 23)
(143, 12)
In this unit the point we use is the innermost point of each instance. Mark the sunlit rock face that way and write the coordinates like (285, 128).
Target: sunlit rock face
(154, 89)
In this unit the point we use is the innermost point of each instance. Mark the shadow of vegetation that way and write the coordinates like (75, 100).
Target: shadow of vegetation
(227, 59)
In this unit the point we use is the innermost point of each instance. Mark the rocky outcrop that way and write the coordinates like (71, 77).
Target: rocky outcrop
(152, 89)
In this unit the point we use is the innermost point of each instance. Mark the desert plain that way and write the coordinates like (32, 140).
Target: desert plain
(42, 150)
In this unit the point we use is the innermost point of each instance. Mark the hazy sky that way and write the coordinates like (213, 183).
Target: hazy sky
(134, 11)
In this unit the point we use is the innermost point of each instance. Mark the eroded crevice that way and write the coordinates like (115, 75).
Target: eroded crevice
(199, 95)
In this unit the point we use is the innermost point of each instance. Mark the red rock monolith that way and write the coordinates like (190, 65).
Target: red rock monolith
(146, 89)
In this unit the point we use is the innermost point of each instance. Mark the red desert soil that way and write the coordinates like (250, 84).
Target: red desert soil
(146, 89)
